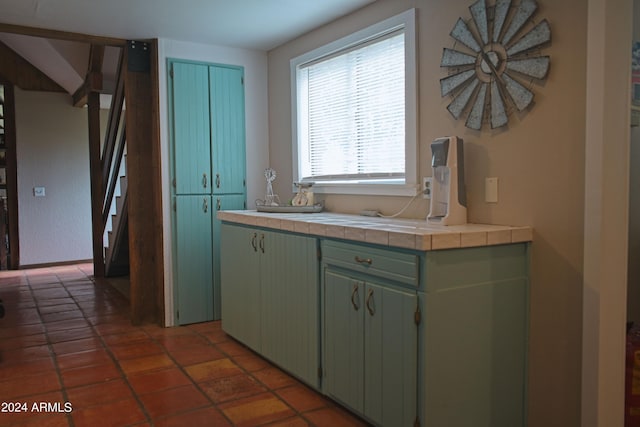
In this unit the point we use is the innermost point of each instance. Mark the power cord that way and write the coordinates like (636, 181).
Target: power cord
(403, 209)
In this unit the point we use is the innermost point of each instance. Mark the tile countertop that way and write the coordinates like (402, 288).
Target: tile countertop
(402, 233)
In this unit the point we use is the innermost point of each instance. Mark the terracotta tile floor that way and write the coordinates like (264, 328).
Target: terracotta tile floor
(70, 357)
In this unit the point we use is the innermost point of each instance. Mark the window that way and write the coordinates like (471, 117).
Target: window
(354, 112)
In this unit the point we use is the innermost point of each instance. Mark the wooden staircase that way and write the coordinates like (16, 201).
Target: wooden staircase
(117, 241)
(114, 176)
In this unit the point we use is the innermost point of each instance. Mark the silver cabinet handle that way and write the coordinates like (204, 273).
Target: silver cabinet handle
(363, 260)
(354, 295)
(254, 242)
(218, 204)
(204, 180)
(369, 298)
(217, 180)
(262, 243)
(205, 205)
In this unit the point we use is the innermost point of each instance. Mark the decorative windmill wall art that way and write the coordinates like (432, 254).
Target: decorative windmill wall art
(494, 62)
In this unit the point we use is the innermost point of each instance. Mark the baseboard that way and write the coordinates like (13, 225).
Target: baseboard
(54, 264)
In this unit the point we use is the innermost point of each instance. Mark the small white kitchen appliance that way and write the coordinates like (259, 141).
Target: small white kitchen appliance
(448, 194)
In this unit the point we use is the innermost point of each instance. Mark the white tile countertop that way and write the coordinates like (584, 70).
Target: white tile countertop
(395, 232)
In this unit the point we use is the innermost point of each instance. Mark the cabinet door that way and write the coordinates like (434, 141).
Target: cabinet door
(240, 282)
(190, 128)
(390, 355)
(221, 203)
(343, 339)
(228, 129)
(194, 281)
(290, 304)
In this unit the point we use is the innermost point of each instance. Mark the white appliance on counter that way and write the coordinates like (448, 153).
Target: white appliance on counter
(448, 195)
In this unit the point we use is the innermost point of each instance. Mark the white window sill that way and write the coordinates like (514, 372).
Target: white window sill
(366, 189)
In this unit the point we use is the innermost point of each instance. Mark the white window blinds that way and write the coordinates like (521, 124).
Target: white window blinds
(351, 113)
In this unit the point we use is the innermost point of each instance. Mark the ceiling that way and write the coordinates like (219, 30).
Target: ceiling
(248, 24)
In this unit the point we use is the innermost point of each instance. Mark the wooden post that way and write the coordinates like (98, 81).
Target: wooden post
(144, 191)
(97, 187)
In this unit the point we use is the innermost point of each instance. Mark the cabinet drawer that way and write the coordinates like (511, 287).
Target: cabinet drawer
(393, 265)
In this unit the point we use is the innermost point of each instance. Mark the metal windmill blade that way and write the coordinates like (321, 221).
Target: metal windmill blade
(479, 14)
(520, 95)
(500, 15)
(460, 101)
(536, 67)
(462, 34)
(454, 58)
(526, 9)
(498, 113)
(476, 115)
(539, 35)
(454, 81)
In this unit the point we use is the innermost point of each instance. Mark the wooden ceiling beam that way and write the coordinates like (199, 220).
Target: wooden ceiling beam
(93, 80)
(17, 70)
(61, 35)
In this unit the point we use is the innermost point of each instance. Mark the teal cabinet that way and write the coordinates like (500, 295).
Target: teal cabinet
(402, 337)
(270, 296)
(191, 131)
(370, 336)
(240, 279)
(343, 339)
(289, 300)
(474, 339)
(221, 202)
(193, 257)
(227, 130)
(207, 128)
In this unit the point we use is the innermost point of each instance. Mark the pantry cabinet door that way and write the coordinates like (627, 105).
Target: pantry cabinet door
(191, 138)
(227, 129)
(194, 281)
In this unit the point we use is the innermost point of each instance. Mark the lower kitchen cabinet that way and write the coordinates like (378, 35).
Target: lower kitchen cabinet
(400, 337)
(370, 346)
(240, 280)
(270, 296)
(221, 202)
(474, 339)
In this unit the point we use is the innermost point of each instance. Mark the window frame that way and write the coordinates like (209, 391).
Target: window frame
(407, 22)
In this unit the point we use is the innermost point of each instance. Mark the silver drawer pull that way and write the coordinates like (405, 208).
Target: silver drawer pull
(363, 260)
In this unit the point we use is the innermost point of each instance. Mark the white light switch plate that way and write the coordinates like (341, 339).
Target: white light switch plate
(491, 190)
(38, 191)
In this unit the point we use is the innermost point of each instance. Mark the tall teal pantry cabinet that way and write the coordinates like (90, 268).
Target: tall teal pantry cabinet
(207, 128)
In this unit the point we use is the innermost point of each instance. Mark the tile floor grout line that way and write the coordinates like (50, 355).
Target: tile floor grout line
(182, 369)
(114, 359)
(52, 353)
(103, 315)
(247, 372)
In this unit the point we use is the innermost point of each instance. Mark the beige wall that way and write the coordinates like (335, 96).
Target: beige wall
(539, 160)
(53, 152)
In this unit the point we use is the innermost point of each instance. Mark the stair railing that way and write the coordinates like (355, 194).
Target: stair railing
(114, 144)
